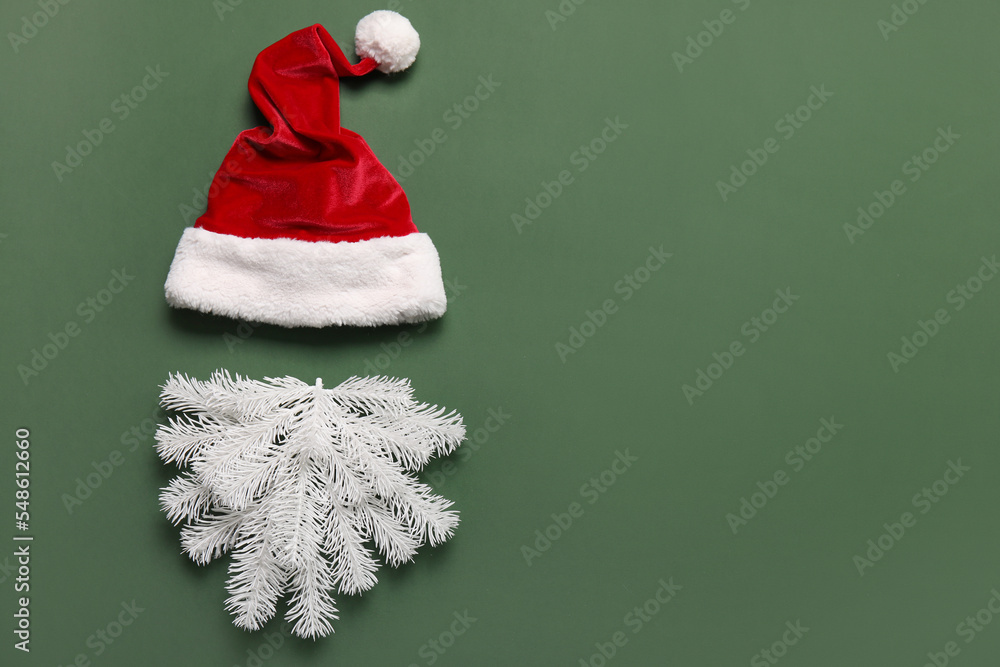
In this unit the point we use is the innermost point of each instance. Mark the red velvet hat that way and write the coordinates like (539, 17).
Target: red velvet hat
(305, 227)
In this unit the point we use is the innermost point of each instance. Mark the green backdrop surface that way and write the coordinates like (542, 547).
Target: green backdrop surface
(722, 304)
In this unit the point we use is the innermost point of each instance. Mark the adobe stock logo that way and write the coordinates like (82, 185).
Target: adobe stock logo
(779, 648)
(698, 43)
(894, 531)
(627, 287)
(959, 297)
(38, 20)
(918, 165)
(271, 643)
(562, 12)
(899, 17)
(122, 106)
(242, 333)
(592, 491)
(635, 620)
(105, 636)
(223, 7)
(797, 458)
(967, 630)
(438, 472)
(584, 156)
(100, 471)
(392, 350)
(455, 117)
(753, 329)
(88, 310)
(435, 647)
(787, 126)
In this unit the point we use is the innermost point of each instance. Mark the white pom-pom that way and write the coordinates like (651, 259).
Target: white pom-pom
(389, 38)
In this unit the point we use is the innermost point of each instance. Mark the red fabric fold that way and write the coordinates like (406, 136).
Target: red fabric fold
(303, 176)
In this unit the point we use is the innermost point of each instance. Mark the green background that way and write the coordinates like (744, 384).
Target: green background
(516, 294)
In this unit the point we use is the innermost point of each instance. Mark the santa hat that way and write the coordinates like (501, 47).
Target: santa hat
(304, 225)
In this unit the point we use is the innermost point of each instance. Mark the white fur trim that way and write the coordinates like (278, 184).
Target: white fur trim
(389, 38)
(293, 283)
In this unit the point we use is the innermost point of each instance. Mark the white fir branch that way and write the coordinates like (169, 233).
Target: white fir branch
(185, 499)
(210, 538)
(225, 396)
(243, 445)
(356, 572)
(181, 439)
(256, 582)
(374, 393)
(311, 607)
(416, 437)
(396, 544)
(306, 487)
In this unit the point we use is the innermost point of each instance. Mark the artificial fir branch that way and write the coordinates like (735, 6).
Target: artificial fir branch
(302, 485)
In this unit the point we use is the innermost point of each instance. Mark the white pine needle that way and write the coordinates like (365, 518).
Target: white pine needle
(302, 485)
